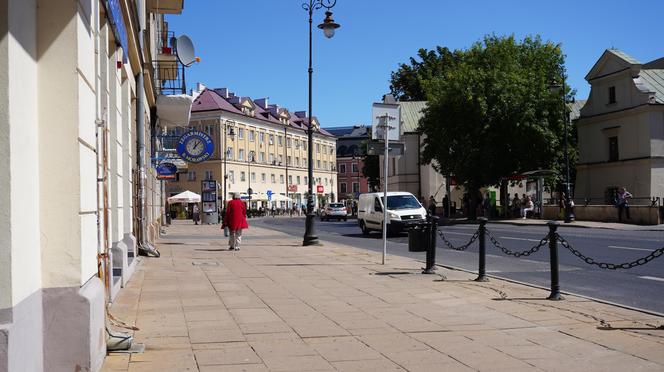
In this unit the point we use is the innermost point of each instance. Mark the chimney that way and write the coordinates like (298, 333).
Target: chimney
(200, 87)
(388, 98)
(224, 92)
(262, 102)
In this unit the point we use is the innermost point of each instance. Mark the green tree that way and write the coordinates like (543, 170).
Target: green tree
(492, 113)
(407, 82)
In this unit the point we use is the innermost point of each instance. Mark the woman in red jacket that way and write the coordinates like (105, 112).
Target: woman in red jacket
(236, 220)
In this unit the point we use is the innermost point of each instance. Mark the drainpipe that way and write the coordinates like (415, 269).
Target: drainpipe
(419, 166)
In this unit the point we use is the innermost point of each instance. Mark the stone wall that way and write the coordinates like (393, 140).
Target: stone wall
(639, 214)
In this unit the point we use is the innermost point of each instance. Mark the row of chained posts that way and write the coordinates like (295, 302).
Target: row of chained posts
(551, 239)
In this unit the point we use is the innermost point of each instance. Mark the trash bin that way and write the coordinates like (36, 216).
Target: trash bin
(418, 238)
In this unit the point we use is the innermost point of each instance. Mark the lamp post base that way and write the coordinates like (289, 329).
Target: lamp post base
(310, 237)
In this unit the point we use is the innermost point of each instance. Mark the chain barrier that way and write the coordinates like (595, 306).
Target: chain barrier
(508, 252)
(462, 247)
(610, 266)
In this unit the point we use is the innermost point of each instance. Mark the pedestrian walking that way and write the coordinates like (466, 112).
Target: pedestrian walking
(195, 215)
(446, 206)
(236, 220)
(486, 205)
(622, 202)
(432, 206)
(516, 204)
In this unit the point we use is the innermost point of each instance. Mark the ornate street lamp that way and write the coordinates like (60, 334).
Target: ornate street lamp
(328, 26)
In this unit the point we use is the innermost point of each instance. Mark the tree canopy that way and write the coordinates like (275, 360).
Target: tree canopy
(491, 111)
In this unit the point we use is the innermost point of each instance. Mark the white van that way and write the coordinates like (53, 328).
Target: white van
(403, 210)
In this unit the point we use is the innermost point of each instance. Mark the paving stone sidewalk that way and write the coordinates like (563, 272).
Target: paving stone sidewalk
(277, 306)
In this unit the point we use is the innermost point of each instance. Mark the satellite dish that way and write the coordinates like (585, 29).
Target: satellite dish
(185, 50)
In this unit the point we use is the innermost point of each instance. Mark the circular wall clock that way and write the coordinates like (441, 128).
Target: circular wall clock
(195, 146)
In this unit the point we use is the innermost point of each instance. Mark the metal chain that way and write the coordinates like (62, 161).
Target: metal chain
(462, 247)
(532, 250)
(605, 265)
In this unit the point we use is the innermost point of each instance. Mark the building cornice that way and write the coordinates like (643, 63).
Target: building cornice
(612, 115)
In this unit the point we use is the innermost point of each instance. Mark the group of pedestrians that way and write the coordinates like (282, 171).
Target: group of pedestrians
(522, 205)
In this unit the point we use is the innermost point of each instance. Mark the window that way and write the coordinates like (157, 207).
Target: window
(261, 157)
(298, 180)
(306, 180)
(253, 177)
(263, 177)
(240, 133)
(261, 138)
(243, 177)
(613, 149)
(290, 160)
(326, 182)
(231, 176)
(325, 164)
(355, 168)
(209, 175)
(229, 153)
(342, 188)
(272, 178)
(318, 164)
(191, 175)
(271, 158)
(271, 139)
(290, 180)
(209, 129)
(342, 168)
(280, 140)
(305, 145)
(318, 147)
(281, 159)
(289, 142)
(612, 95)
(281, 179)
(251, 135)
(356, 187)
(324, 149)
(297, 161)
(240, 154)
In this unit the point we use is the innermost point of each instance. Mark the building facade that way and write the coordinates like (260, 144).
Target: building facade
(351, 149)
(621, 129)
(79, 195)
(266, 151)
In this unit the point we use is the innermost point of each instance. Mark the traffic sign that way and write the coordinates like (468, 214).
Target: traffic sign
(269, 195)
(319, 189)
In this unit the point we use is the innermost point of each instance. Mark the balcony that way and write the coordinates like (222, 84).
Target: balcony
(166, 6)
(168, 72)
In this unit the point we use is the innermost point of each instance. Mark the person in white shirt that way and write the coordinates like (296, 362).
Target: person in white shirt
(528, 206)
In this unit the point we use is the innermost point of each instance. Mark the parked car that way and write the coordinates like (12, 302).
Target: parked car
(403, 211)
(334, 210)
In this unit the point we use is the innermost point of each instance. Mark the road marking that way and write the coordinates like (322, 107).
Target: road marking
(652, 278)
(524, 239)
(456, 233)
(631, 248)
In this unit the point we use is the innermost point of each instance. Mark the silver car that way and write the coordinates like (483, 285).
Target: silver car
(334, 210)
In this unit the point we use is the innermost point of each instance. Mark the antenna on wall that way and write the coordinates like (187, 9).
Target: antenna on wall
(184, 49)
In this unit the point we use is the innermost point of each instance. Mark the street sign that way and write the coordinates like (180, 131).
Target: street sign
(269, 195)
(292, 188)
(319, 189)
(250, 191)
(393, 113)
(378, 148)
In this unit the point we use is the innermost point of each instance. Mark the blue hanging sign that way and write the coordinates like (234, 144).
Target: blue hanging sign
(166, 171)
(118, 25)
(195, 146)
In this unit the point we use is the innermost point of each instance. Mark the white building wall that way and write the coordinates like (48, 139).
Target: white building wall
(23, 153)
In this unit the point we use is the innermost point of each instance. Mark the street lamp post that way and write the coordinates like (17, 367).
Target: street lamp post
(569, 214)
(250, 159)
(328, 26)
(228, 130)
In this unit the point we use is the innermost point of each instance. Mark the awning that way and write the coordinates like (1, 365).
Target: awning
(185, 197)
(174, 109)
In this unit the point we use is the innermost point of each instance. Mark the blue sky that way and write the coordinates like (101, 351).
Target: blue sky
(259, 48)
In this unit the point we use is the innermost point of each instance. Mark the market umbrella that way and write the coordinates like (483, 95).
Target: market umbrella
(185, 197)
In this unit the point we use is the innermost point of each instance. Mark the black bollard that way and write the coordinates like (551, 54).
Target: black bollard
(432, 225)
(553, 260)
(481, 277)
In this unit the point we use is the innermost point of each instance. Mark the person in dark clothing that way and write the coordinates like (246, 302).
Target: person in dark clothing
(432, 206)
(446, 206)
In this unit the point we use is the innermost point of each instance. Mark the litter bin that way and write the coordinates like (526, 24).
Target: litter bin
(419, 237)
